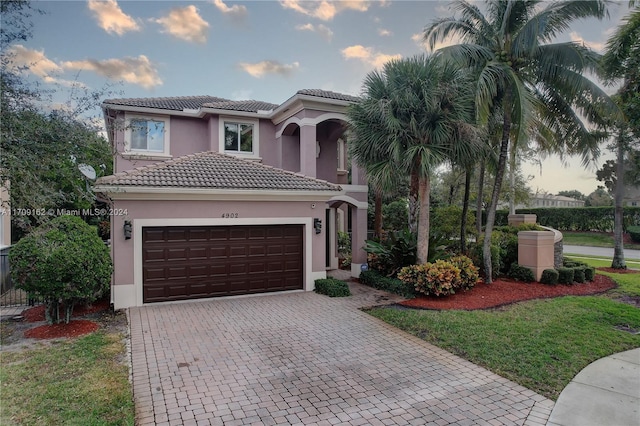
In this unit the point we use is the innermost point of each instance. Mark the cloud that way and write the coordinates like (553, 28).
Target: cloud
(419, 41)
(324, 31)
(138, 70)
(111, 18)
(34, 61)
(236, 12)
(383, 32)
(259, 69)
(368, 55)
(325, 10)
(597, 46)
(185, 23)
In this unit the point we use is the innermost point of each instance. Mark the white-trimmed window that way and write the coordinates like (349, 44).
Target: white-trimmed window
(147, 135)
(239, 137)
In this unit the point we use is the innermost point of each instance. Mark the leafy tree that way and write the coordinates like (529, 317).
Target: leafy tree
(413, 115)
(574, 193)
(536, 85)
(599, 198)
(41, 148)
(64, 262)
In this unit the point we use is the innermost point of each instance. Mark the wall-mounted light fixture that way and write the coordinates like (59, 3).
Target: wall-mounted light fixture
(127, 229)
(317, 225)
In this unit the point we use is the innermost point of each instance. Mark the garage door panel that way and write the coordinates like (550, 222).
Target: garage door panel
(191, 262)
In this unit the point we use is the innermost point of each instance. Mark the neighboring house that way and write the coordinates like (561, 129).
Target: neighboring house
(631, 196)
(213, 197)
(549, 200)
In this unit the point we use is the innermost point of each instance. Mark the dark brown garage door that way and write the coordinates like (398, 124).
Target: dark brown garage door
(207, 261)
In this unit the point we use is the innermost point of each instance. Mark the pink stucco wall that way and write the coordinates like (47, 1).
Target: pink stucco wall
(123, 250)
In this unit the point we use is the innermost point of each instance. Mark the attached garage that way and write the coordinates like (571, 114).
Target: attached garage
(211, 225)
(207, 261)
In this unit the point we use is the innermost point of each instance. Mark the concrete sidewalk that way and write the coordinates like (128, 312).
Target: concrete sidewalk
(606, 392)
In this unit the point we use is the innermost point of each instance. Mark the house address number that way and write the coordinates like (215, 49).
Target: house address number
(230, 215)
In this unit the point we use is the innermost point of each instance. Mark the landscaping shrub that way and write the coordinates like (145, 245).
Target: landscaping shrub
(392, 285)
(64, 262)
(468, 271)
(584, 218)
(571, 263)
(549, 276)
(579, 274)
(396, 250)
(504, 248)
(521, 273)
(634, 232)
(589, 273)
(440, 278)
(565, 275)
(332, 287)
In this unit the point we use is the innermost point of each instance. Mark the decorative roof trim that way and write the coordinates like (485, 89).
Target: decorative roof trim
(120, 192)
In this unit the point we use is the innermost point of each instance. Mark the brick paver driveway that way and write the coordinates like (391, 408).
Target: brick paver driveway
(302, 358)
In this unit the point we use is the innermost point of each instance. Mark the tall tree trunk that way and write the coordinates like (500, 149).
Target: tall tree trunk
(377, 214)
(512, 181)
(423, 220)
(480, 200)
(465, 210)
(618, 247)
(493, 205)
(414, 207)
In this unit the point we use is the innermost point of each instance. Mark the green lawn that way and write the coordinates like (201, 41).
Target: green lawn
(540, 344)
(599, 261)
(593, 239)
(72, 382)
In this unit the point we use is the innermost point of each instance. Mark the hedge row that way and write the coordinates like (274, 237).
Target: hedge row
(584, 219)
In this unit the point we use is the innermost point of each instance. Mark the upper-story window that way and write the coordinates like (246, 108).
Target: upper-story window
(145, 135)
(239, 137)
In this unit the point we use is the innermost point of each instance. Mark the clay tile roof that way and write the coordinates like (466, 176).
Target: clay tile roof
(249, 106)
(178, 103)
(212, 170)
(328, 94)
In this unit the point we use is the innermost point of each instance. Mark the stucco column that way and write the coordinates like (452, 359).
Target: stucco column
(536, 251)
(358, 237)
(308, 150)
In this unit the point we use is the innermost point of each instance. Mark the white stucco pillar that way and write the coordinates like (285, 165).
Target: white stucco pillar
(358, 237)
(308, 150)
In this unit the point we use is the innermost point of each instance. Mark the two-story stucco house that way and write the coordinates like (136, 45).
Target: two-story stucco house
(212, 197)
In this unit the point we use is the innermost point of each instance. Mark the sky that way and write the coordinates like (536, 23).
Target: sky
(264, 50)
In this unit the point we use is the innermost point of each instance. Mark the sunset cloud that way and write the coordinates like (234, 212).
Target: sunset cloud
(111, 18)
(324, 10)
(383, 32)
(186, 24)
(236, 12)
(259, 69)
(418, 39)
(597, 46)
(34, 61)
(322, 30)
(135, 70)
(368, 55)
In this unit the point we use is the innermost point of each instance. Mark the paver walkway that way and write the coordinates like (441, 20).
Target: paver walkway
(303, 358)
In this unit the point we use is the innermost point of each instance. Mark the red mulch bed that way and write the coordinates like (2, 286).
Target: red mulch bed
(505, 291)
(36, 313)
(75, 328)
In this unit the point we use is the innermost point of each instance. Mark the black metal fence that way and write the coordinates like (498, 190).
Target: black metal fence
(9, 295)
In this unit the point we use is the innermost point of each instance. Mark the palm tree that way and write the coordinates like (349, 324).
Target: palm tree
(534, 81)
(413, 115)
(622, 62)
